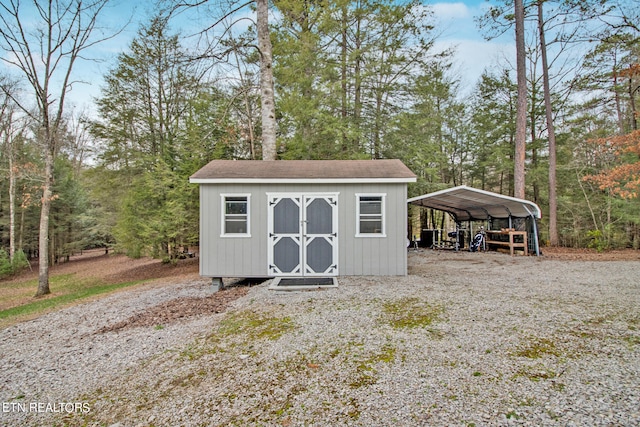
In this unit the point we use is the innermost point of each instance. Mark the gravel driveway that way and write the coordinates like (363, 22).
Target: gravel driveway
(467, 339)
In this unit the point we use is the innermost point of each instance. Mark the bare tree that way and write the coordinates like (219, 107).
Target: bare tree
(7, 134)
(44, 39)
(78, 140)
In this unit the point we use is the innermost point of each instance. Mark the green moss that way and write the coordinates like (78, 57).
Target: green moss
(254, 326)
(536, 348)
(632, 341)
(240, 330)
(409, 313)
(366, 372)
(512, 415)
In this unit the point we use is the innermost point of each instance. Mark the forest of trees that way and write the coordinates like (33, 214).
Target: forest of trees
(354, 79)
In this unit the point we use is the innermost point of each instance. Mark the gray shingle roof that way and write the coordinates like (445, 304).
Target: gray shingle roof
(303, 170)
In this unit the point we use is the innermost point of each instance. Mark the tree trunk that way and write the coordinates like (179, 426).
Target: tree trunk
(43, 239)
(357, 95)
(247, 107)
(632, 101)
(12, 198)
(521, 106)
(533, 118)
(266, 83)
(12, 211)
(621, 127)
(20, 240)
(343, 78)
(553, 197)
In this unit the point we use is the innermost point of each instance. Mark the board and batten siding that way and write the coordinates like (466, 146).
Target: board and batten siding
(222, 256)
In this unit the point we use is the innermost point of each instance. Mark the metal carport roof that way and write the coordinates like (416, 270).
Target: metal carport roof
(467, 204)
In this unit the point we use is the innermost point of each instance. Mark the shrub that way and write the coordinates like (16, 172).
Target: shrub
(597, 240)
(7, 267)
(20, 261)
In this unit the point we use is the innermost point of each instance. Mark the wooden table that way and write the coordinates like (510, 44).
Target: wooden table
(493, 238)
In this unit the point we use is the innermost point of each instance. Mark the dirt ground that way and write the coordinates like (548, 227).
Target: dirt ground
(113, 268)
(571, 254)
(119, 268)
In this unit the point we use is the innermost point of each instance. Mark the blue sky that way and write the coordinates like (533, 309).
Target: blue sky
(454, 20)
(473, 53)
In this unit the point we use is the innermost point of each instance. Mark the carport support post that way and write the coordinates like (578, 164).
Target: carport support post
(535, 235)
(216, 284)
(535, 231)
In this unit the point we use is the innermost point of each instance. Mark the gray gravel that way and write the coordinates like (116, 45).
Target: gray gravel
(465, 339)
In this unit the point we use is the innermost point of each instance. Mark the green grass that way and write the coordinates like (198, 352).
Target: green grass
(66, 290)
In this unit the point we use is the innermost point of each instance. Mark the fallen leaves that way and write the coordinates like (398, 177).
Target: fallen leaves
(179, 309)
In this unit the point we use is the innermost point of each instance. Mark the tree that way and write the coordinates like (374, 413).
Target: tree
(244, 88)
(45, 57)
(7, 136)
(497, 20)
(158, 124)
(493, 109)
(521, 106)
(430, 136)
(268, 101)
(302, 67)
(553, 198)
(342, 81)
(624, 178)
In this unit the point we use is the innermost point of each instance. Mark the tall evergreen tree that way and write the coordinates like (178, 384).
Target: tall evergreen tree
(429, 136)
(156, 129)
(342, 80)
(493, 121)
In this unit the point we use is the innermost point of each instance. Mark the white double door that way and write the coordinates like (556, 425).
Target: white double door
(303, 234)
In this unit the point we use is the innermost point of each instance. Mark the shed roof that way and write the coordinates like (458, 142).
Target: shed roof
(467, 203)
(303, 171)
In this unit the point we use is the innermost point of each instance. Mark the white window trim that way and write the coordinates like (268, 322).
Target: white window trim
(223, 206)
(383, 197)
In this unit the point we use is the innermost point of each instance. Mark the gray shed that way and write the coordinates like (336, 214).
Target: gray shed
(303, 218)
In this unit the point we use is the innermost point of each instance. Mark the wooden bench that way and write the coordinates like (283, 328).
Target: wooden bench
(511, 244)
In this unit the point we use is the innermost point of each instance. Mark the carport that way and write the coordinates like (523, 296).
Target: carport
(471, 204)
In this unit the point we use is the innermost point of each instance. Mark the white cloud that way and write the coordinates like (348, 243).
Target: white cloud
(458, 30)
(448, 11)
(473, 57)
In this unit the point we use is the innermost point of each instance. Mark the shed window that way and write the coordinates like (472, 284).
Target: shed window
(370, 215)
(235, 215)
